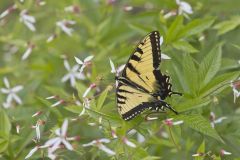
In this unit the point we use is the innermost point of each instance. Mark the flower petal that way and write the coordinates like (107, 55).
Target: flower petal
(17, 88)
(17, 99)
(67, 144)
(65, 77)
(27, 53)
(64, 128)
(5, 90)
(113, 70)
(66, 65)
(31, 152)
(89, 58)
(105, 149)
(104, 140)
(6, 82)
(78, 60)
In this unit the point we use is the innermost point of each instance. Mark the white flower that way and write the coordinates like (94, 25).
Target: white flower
(235, 87)
(72, 74)
(11, 93)
(129, 143)
(28, 51)
(8, 11)
(214, 120)
(84, 63)
(223, 152)
(60, 139)
(170, 122)
(118, 70)
(99, 143)
(140, 138)
(32, 152)
(184, 7)
(64, 25)
(27, 20)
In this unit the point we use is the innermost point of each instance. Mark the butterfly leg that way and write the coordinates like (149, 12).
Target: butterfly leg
(177, 93)
(166, 105)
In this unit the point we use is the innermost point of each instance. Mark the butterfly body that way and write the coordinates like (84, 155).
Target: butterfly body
(141, 85)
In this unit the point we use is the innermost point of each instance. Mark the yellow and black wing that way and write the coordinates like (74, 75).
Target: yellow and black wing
(142, 68)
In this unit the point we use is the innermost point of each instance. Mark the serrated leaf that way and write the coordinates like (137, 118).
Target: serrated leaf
(184, 46)
(190, 74)
(200, 124)
(210, 65)
(226, 26)
(196, 26)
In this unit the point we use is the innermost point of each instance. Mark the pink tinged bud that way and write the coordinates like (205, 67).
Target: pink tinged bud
(129, 143)
(127, 8)
(223, 152)
(37, 114)
(58, 103)
(93, 85)
(51, 38)
(18, 129)
(212, 116)
(169, 122)
(198, 154)
(8, 11)
(114, 135)
(52, 97)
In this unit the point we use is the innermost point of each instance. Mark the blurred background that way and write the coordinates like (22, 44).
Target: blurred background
(44, 87)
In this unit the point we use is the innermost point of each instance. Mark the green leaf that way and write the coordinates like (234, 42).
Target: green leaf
(218, 84)
(5, 124)
(210, 65)
(4, 141)
(74, 108)
(174, 29)
(226, 26)
(196, 26)
(102, 97)
(140, 28)
(200, 124)
(201, 149)
(191, 104)
(184, 46)
(190, 74)
(5, 127)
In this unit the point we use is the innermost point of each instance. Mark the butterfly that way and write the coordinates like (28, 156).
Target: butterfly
(141, 85)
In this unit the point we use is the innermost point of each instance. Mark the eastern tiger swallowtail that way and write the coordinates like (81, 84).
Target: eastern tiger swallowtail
(141, 84)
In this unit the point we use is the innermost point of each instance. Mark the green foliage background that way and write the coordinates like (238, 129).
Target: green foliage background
(197, 68)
